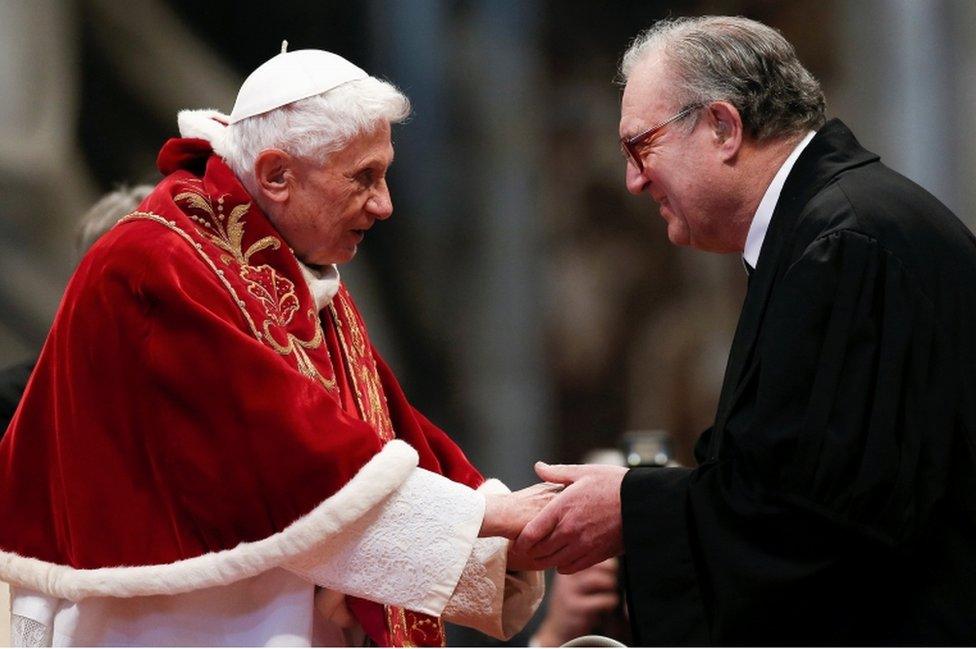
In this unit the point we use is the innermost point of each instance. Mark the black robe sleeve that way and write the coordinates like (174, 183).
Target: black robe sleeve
(829, 466)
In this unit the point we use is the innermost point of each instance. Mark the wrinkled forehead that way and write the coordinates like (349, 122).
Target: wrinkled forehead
(649, 96)
(365, 147)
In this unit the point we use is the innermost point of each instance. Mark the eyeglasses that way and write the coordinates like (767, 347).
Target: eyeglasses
(631, 145)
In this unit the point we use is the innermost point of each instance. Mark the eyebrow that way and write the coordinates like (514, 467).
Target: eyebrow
(633, 132)
(374, 161)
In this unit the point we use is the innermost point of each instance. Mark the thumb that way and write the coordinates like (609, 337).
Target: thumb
(561, 473)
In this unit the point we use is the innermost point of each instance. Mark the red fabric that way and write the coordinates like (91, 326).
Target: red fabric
(157, 425)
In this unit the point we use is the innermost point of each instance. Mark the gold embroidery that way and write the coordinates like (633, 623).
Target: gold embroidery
(347, 357)
(378, 409)
(305, 365)
(408, 628)
(196, 245)
(429, 627)
(275, 293)
(377, 398)
(362, 370)
(396, 622)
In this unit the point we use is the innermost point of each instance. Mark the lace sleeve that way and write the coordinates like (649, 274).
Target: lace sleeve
(490, 598)
(25, 632)
(408, 551)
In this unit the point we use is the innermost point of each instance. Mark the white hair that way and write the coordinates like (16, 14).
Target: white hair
(315, 127)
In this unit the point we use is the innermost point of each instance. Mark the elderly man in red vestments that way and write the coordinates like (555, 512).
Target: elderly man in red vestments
(210, 450)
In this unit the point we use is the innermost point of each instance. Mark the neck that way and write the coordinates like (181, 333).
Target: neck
(760, 162)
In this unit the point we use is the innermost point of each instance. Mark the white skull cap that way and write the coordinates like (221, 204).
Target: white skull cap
(291, 76)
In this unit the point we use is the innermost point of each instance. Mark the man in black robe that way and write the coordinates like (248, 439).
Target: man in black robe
(835, 497)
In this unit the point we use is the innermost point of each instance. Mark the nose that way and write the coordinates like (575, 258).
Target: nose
(380, 204)
(636, 180)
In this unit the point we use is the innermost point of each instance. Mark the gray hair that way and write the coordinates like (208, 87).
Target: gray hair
(315, 127)
(106, 212)
(741, 61)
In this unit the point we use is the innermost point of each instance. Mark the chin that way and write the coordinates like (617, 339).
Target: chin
(326, 257)
(343, 256)
(679, 236)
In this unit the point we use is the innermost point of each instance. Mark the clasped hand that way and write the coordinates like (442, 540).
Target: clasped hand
(570, 522)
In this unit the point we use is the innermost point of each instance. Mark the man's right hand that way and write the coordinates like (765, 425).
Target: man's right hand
(507, 514)
(582, 526)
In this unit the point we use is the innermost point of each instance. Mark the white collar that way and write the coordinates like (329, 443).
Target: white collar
(322, 282)
(760, 222)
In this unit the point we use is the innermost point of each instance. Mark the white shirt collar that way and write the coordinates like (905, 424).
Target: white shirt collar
(322, 282)
(760, 222)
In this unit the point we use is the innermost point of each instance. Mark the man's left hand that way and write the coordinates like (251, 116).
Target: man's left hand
(581, 526)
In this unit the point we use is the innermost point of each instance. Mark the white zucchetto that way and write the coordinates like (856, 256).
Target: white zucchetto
(291, 76)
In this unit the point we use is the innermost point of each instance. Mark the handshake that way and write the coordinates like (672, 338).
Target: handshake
(569, 522)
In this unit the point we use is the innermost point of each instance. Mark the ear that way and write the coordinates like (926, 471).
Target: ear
(273, 171)
(726, 125)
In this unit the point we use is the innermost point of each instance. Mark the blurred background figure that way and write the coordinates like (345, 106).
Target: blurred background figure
(534, 308)
(106, 212)
(101, 216)
(585, 603)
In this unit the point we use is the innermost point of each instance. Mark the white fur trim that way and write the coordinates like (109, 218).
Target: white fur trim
(494, 486)
(378, 478)
(207, 124)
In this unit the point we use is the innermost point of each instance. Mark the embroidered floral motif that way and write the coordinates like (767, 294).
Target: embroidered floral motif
(226, 231)
(274, 292)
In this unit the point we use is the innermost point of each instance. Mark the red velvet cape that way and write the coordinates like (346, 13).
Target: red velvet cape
(189, 398)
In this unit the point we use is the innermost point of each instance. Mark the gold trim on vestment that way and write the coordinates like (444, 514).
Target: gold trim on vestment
(274, 292)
